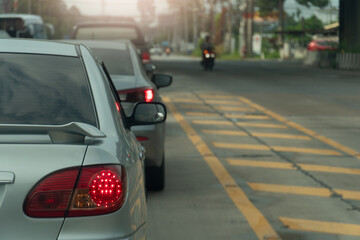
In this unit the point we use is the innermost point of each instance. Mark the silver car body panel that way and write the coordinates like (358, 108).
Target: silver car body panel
(34, 161)
(33, 47)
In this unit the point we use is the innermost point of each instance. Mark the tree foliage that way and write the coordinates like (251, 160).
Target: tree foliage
(268, 6)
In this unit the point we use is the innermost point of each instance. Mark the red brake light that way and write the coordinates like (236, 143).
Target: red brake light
(99, 190)
(149, 95)
(145, 57)
(142, 139)
(137, 95)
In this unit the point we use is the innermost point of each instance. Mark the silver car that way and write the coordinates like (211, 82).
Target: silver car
(70, 168)
(133, 85)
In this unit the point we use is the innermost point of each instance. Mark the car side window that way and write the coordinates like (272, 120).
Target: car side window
(114, 94)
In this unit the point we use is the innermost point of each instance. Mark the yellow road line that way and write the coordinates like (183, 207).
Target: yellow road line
(186, 100)
(223, 102)
(202, 114)
(276, 148)
(241, 146)
(256, 220)
(215, 96)
(224, 132)
(309, 191)
(260, 164)
(289, 166)
(276, 188)
(328, 169)
(237, 109)
(194, 106)
(306, 150)
(311, 133)
(353, 195)
(260, 125)
(212, 122)
(254, 117)
(284, 136)
(321, 227)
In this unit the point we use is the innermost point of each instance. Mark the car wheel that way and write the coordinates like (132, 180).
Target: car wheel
(155, 177)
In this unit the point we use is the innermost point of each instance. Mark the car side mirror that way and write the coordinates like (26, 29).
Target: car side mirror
(161, 80)
(149, 67)
(148, 114)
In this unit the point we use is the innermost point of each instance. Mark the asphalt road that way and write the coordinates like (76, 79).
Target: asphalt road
(259, 150)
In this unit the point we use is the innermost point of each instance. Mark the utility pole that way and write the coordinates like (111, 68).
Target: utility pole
(281, 23)
(249, 27)
(195, 24)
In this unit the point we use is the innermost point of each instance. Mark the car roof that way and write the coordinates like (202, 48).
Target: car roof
(28, 18)
(37, 47)
(122, 44)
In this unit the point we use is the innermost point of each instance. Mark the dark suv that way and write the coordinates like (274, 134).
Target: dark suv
(113, 30)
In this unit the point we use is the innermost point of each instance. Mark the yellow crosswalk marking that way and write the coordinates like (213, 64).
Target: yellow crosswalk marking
(215, 96)
(187, 100)
(194, 106)
(224, 132)
(321, 227)
(309, 191)
(276, 148)
(235, 109)
(202, 114)
(212, 122)
(223, 102)
(284, 136)
(254, 117)
(260, 125)
(289, 166)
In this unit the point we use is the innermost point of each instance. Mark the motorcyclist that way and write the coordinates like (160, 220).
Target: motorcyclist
(207, 45)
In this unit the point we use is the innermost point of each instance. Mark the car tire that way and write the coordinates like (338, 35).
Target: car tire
(155, 177)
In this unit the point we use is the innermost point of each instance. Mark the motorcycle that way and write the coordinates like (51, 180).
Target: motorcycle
(208, 59)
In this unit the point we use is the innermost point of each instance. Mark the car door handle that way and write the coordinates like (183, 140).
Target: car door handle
(7, 177)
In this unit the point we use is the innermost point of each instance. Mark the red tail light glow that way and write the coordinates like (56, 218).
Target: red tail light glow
(142, 139)
(145, 57)
(99, 190)
(137, 95)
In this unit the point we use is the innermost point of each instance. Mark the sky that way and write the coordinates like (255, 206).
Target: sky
(129, 7)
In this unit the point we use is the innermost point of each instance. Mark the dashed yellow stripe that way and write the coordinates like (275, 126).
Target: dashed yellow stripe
(256, 220)
(260, 125)
(306, 150)
(253, 117)
(311, 133)
(202, 114)
(288, 166)
(194, 106)
(276, 188)
(236, 109)
(276, 148)
(187, 100)
(260, 164)
(212, 122)
(309, 191)
(283, 136)
(215, 96)
(241, 146)
(224, 132)
(321, 227)
(223, 102)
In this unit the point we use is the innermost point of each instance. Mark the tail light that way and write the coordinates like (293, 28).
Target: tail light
(93, 190)
(142, 139)
(137, 95)
(145, 57)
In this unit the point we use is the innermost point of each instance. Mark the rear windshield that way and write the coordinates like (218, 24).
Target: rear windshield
(117, 62)
(42, 89)
(107, 33)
